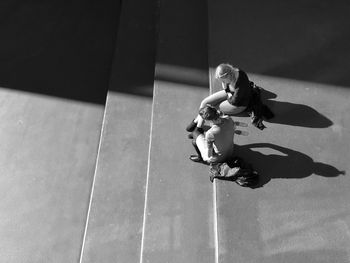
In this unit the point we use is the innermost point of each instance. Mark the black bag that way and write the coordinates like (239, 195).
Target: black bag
(237, 171)
(256, 109)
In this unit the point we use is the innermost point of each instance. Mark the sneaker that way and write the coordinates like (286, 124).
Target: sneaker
(191, 126)
(197, 159)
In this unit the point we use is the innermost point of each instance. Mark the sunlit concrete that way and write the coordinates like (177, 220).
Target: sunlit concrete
(115, 222)
(298, 51)
(114, 227)
(179, 221)
(179, 224)
(47, 161)
(300, 211)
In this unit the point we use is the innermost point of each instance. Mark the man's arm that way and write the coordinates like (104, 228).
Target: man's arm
(210, 149)
(210, 142)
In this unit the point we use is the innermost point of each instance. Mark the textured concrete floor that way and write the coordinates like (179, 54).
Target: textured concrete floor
(298, 53)
(55, 60)
(114, 230)
(300, 211)
(47, 160)
(179, 221)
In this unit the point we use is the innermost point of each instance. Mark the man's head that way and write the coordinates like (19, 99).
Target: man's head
(209, 113)
(225, 73)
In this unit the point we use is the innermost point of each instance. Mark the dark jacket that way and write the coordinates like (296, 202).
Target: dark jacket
(242, 90)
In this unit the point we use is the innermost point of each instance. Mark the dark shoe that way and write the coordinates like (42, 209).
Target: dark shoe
(191, 126)
(190, 136)
(258, 122)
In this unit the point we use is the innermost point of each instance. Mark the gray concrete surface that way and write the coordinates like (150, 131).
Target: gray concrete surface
(179, 223)
(115, 221)
(55, 59)
(300, 212)
(47, 160)
(114, 230)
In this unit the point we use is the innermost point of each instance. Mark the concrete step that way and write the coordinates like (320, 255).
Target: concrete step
(115, 219)
(53, 87)
(49, 148)
(302, 163)
(300, 212)
(179, 221)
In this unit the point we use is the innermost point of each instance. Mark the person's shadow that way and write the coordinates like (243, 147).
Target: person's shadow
(293, 114)
(282, 163)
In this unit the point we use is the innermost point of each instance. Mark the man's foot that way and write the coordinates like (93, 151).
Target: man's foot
(190, 136)
(190, 127)
(197, 159)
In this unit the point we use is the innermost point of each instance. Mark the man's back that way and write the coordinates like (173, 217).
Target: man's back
(222, 137)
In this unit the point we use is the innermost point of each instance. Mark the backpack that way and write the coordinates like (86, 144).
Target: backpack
(235, 170)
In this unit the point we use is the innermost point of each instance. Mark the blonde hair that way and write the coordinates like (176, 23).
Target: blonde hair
(224, 70)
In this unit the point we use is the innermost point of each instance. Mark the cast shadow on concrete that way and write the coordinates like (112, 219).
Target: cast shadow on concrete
(58, 48)
(303, 41)
(283, 163)
(297, 115)
(293, 114)
(315, 65)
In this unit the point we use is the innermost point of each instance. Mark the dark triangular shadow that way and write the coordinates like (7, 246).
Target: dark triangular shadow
(293, 114)
(288, 113)
(287, 164)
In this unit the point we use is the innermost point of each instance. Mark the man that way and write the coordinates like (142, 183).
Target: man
(216, 144)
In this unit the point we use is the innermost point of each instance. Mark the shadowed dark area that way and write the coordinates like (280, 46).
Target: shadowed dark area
(183, 43)
(288, 164)
(294, 114)
(65, 48)
(134, 58)
(183, 75)
(70, 48)
(303, 40)
(297, 115)
(58, 48)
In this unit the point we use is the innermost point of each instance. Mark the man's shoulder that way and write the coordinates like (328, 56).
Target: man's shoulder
(227, 120)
